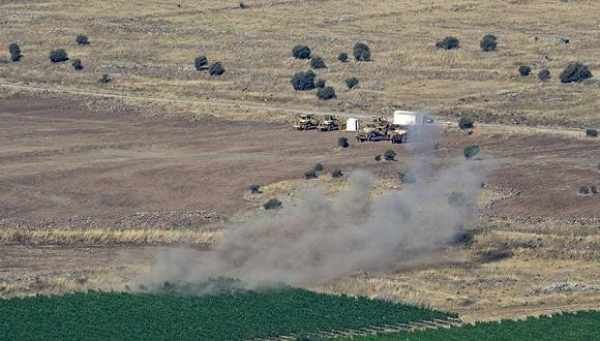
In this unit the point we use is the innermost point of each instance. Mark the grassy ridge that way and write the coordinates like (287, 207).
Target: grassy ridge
(566, 327)
(239, 316)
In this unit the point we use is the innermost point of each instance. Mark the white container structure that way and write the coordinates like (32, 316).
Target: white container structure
(352, 124)
(408, 118)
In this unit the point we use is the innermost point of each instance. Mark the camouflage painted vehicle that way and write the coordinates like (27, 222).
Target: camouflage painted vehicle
(381, 130)
(306, 122)
(329, 123)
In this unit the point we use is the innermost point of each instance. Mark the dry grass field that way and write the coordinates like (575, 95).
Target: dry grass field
(148, 47)
(96, 178)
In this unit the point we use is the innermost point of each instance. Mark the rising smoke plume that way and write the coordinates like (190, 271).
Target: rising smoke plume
(318, 238)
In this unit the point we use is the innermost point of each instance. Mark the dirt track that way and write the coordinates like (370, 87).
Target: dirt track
(63, 166)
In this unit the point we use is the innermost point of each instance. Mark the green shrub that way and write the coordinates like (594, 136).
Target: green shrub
(589, 132)
(15, 52)
(216, 69)
(77, 64)
(58, 56)
(254, 189)
(544, 75)
(361, 52)
(351, 82)
(343, 142)
(389, 155)
(488, 43)
(301, 52)
(337, 173)
(319, 167)
(524, 70)
(471, 151)
(272, 204)
(326, 93)
(448, 43)
(320, 83)
(466, 123)
(105, 79)
(310, 174)
(575, 72)
(82, 40)
(317, 63)
(407, 177)
(201, 63)
(343, 57)
(302, 81)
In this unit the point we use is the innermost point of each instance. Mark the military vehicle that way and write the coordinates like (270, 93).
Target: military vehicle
(329, 123)
(380, 129)
(306, 122)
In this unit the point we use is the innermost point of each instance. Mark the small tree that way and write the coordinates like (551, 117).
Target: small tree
(343, 57)
(544, 75)
(389, 155)
(254, 189)
(82, 40)
(310, 174)
(351, 82)
(301, 52)
(326, 93)
(216, 69)
(407, 177)
(448, 43)
(524, 70)
(471, 151)
(320, 83)
(272, 204)
(465, 123)
(488, 43)
(361, 52)
(378, 157)
(575, 72)
(58, 56)
(319, 167)
(317, 63)
(77, 64)
(303, 81)
(15, 52)
(105, 79)
(343, 142)
(337, 173)
(200, 63)
(589, 132)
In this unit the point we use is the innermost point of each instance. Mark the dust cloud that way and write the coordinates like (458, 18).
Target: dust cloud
(319, 237)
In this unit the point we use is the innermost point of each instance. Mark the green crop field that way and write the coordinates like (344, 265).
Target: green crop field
(166, 316)
(581, 326)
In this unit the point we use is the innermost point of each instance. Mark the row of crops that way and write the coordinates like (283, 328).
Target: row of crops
(168, 316)
(581, 326)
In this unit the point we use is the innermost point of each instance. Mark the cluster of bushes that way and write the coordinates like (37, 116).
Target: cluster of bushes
(574, 72)
(543, 74)
(59, 56)
(314, 172)
(303, 81)
(215, 69)
(448, 43)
